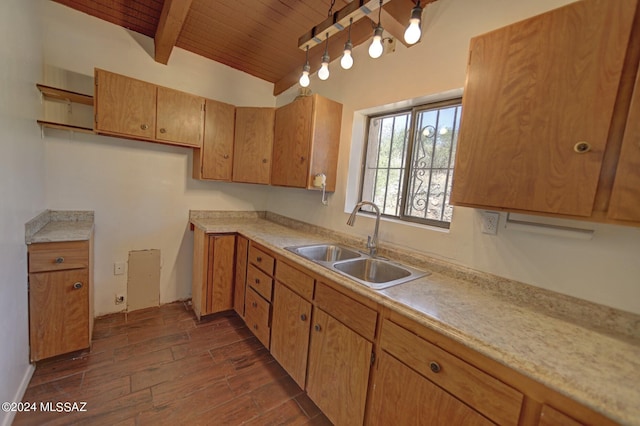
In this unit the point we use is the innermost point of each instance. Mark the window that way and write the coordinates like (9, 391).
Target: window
(408, 165)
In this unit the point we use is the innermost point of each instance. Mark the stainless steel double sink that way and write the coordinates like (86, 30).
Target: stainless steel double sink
(372, 272)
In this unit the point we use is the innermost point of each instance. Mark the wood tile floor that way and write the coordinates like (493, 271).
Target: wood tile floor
(161, 366)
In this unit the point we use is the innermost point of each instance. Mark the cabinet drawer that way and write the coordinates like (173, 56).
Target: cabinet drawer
(475, 388)
(297, 281)
(261, 282)
(261, 259)
(354, 315)
(58, 256)
(257, 316)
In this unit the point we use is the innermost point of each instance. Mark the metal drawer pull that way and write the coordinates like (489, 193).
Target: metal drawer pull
(255, 326)
(303, 317)
(225, 156)
(59, 259)
(257, 280)
(259, 259)
(254, 304)
(582, 147)
(144, 126)
(317, 327)
(163, 130)
(77, 285)
(435, 367)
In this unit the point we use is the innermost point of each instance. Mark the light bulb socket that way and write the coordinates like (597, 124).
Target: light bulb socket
(378, 31)
(348, 46)
(325, 58)
(306, 68)
(416, 12)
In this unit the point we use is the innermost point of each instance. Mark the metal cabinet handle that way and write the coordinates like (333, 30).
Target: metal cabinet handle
(257, 280)
(77, 285)
(144, 126)
(582, 147)
(254, 304)
(317, 327)
(255, 326)
(225, 156)
(163, 130)
(264, 160)
(258, 259)
(435, 367)
(59, 259)
(303, 317)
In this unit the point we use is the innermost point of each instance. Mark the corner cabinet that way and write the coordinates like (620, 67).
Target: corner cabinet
(131, 108)
(306, 142)
(213, 272)
(253, 144)
(540, 111)
(60, 298)
(215, 160)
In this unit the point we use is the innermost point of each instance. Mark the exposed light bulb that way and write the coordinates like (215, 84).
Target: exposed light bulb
(413, 32)
(304, 79)
(347, 60)
(323, 73)
(376, 48)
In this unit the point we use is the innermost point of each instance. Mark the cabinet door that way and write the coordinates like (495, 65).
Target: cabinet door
(215, 159)
(220, 273)
(625, 198)
(242, 248)
(180, 118)
(58, 312)
(421, 402)
(253, 144)
(125, 106)
(339, 364)
(534, 90)
(292, 144)
(290, 327)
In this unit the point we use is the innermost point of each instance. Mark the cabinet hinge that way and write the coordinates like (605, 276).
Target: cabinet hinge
(373, 357)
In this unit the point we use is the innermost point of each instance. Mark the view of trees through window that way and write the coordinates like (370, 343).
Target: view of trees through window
(408, 165)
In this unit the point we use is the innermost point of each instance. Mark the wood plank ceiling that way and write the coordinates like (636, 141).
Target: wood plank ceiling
(259, 37)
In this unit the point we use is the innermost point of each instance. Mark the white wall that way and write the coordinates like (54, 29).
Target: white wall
(604, 270)
(141, 192)
(21, 185)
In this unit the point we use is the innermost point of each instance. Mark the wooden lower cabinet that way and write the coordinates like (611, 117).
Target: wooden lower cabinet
(290, 330)
(60, 298)
(338, 375)
(213, 272)
(258, 316)
(403, 397)
(549, 416)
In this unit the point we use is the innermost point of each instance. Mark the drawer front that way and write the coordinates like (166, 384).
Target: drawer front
(58, 256)
(297, 281)
(261, 282)
(353, 314)
(257, 312)
(479, 390)
(261, 259)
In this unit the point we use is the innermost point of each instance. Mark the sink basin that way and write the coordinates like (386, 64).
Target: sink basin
(376, 273)
(325, 252)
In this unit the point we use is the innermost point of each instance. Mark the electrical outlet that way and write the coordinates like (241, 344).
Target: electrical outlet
(118, 268)
(119, 299)
(490, 222)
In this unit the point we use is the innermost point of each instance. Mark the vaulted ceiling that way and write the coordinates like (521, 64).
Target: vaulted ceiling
(259, 37)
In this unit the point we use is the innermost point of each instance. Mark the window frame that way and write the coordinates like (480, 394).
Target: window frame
(413, 111)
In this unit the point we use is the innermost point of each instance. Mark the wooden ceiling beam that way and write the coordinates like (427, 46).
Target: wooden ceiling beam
(361, 31)
(174, 13)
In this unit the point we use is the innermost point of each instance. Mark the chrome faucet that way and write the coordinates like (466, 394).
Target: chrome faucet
(372, 242)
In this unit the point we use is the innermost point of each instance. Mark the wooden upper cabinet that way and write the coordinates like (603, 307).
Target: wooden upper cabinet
(127, 107)
(215, 160)
(253, 144)
(536, 90)
(306, 142)
(180, 117)
(124, 106)
(625, 198)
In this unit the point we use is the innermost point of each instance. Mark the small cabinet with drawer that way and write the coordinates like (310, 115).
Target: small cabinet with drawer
(435, 386)
(60, 298)
(259, 290)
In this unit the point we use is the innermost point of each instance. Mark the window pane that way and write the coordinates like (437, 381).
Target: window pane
(385, 162)
(436, 133)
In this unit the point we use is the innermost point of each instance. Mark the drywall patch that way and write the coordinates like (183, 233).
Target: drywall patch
(143, 279)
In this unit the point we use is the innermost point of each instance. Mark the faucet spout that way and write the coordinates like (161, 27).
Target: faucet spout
(372, 241)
